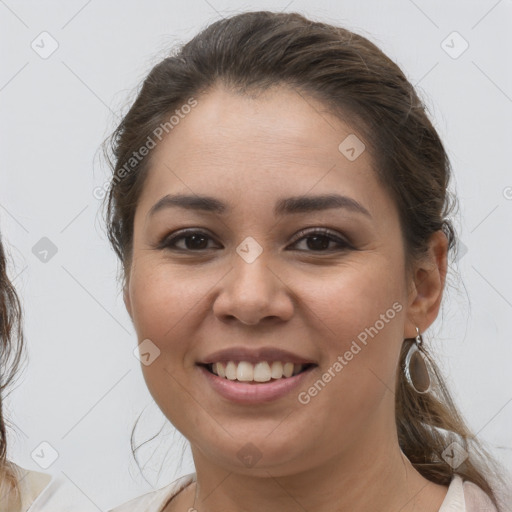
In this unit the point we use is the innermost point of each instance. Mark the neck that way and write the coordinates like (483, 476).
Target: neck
(367, 476)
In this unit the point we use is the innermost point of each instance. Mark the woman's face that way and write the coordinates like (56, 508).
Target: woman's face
(248, 281)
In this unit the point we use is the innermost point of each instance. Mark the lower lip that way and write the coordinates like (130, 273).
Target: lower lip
(245, 393)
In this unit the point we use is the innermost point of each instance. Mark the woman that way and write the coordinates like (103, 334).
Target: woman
(279, 206)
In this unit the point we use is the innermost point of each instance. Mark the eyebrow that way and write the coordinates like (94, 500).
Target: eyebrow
(289, 205)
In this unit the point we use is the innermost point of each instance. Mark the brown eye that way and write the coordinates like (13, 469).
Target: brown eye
(319, 240)
(193, 241)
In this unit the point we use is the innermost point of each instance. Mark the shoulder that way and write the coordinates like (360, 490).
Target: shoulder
(42, 492)
(31, 485)
(465, 496)
(477, 500)
(154, 501)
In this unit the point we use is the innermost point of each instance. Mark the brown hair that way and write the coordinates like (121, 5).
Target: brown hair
(11, 352)
(254, 51)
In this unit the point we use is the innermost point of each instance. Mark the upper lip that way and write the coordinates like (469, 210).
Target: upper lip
(255, 355)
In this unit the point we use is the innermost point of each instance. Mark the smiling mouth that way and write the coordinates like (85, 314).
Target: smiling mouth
(261, 372)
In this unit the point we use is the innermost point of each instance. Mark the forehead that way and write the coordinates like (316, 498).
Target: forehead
(255, 148)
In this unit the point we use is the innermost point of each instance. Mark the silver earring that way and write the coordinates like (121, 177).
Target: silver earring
(416, 369)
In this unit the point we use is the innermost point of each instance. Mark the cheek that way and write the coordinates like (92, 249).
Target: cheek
(161, 299)
(359, 317)
(363, 300)
(355, 385)
(164, 302)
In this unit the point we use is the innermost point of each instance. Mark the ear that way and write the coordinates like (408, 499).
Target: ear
(426, 289)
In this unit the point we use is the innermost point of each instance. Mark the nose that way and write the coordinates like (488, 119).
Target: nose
(252, 293)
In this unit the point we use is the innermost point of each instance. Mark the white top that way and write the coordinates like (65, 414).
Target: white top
(42, 492)
(461, 497)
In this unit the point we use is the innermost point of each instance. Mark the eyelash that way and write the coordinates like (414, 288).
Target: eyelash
(168, 242)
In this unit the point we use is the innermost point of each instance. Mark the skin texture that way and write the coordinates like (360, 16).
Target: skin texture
(339, 451)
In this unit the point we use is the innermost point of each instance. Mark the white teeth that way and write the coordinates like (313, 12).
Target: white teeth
(259, 372)
(244, 371)
(277, 370)
(230, 370)
(288, 369)
(262, 372)
(218, 369)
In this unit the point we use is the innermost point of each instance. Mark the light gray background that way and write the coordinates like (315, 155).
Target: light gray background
(82, 388)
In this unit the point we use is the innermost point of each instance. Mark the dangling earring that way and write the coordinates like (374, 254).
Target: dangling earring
(416, 369)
